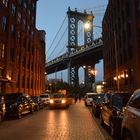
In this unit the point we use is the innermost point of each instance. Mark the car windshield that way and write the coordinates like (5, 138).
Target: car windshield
(100, 98)
(12, 97)
(121, 99)
(35, 98)
(44, 96)
(57, 95)
(91, 96)
(125, 97)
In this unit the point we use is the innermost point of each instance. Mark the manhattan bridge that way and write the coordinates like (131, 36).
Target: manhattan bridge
(86, 54)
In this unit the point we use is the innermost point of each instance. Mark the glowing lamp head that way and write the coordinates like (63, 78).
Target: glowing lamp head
(87, 26)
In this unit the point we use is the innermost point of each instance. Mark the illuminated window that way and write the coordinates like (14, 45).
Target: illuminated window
(2, 50)
(5, 2)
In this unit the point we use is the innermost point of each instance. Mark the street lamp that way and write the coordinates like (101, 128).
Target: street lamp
(87, 25)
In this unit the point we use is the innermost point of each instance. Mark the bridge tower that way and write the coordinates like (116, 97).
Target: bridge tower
(73, 18)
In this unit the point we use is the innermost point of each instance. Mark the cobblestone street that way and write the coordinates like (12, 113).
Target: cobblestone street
(75, 123)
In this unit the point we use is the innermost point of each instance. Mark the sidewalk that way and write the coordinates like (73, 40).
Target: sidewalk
(85, 127)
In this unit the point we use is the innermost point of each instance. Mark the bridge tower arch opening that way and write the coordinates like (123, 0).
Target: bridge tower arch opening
(80, 33)
(74, 17)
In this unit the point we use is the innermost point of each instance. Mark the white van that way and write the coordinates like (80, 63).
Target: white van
(46, 98)
(89, 98)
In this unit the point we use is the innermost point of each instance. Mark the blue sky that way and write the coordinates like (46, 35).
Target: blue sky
(51, 13)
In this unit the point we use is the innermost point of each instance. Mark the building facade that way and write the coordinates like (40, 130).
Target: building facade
(22, 48)
(121, 36)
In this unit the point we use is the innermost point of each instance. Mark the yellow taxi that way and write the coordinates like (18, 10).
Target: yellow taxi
(58, 100)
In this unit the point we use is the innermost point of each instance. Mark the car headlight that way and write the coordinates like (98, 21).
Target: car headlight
(63, 101)
(51, 101)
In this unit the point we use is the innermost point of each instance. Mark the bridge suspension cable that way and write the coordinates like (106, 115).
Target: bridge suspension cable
(58, 43)
(64, 46)
(57, 33)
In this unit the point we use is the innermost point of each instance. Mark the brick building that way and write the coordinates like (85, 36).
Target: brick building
(121, 36)
(22, 48)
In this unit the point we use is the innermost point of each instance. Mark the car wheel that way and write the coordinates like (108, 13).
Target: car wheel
(19, 113)
(31, 110)
(112, 129)
(95, 113)
(101, 120)
(37, 108)
(127, 135)
(1, 117)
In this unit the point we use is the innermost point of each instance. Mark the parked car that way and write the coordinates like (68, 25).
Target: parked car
(111, 112)
(39, 104)
(88, 98)
(45, 98)
(58, 100)
(17, 104)
(131, 120)
(2, 107)
(97, 103)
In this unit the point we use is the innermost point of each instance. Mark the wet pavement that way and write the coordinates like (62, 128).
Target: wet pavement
(74, 123)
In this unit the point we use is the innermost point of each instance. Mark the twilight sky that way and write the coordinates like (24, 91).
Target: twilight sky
(50, 15)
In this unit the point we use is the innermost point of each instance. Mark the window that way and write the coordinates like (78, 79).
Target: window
(4, 23)
(13, 9)
(32, 19)
(135, 101)
(2, 50)
(18, 36)
(24, 24)
(5, 2)
(25, 6)
(12, 28)
(19, 17)
(33, 6)
(28, 28)
(29, 13)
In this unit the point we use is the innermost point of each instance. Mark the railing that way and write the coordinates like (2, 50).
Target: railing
(96, 43)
